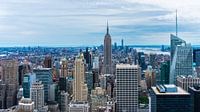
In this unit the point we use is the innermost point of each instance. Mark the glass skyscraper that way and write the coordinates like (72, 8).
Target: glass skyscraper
(28, 80)
(169, 98)
(44, 75)
(181, 55)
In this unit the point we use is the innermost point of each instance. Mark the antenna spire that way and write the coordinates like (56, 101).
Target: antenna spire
(176, 24)
(107, 27)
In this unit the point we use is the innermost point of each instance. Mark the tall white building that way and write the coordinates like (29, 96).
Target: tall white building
(37, 94)
(80, 90)
(127, 87)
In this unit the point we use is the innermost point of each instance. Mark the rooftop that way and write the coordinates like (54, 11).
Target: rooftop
(126, 66)
(169, 90)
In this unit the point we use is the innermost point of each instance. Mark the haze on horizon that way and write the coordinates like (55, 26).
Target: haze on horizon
(83, 22)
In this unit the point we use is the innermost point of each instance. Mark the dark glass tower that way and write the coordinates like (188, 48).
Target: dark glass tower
(164, 72)
(195, 94)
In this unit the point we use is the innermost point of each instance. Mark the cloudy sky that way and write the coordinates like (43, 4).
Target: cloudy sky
(83, 22)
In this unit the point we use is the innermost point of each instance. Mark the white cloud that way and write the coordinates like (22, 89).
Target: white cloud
(79, 21)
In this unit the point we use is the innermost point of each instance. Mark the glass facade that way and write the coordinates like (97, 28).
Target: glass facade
(170, 102)
(44, 75)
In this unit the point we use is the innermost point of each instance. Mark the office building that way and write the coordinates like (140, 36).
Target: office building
(107, 61)
(89, 80)
(88, 58)
(95, 62)
(64, 101)
(53, 106)
(196, 57)
(127, 87)
(62, 84)
(169, 98)
(174, 42)
(26, 105)
(28, 80)
(98, 99)
(141, 60)
(23, 68)
(10, 79)
(53, 92)
(164, 72)
(187, 81)
(80, 90)
(2, 95)
(37, 94)
(152, 60)
(48, 62)
(195, 94)
(64, 68)
(79, 107)
(150, 77)
(122, 44)
(44, 75)
(182, 61)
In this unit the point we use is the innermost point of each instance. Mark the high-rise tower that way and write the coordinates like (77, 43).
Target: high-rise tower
(107, 53)
(80, 89)
(127, 87)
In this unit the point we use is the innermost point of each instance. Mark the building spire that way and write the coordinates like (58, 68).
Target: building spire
(107, 27)
(176, 24)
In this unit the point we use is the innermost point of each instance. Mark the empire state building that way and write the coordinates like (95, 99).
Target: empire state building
(107, 64)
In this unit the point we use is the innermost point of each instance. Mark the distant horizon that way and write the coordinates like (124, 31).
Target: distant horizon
(74, 46)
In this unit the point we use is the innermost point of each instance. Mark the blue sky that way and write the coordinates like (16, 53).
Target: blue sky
(83, 22)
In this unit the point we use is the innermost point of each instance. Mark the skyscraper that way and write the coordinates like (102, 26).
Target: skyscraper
(196, 57)
(28, 80)
(150, 77)
(174, 42)
(164, 72)
(107, 53)
(23, 68)
(127, 87)
(64, 68)
(122, 44)
(80, 90)
(169, 98)
(181, 63)
(88, 58)
(48, 62)
(44, 75)
(195, 94)
(10, 79)
(37, 94)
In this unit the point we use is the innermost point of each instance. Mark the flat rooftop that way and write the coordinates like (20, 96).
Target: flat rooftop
(126, 66)
(180, 91)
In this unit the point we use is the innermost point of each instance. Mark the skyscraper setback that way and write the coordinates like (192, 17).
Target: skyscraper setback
(107, 53)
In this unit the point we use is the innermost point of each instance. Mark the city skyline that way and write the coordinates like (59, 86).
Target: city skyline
(83, 23)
